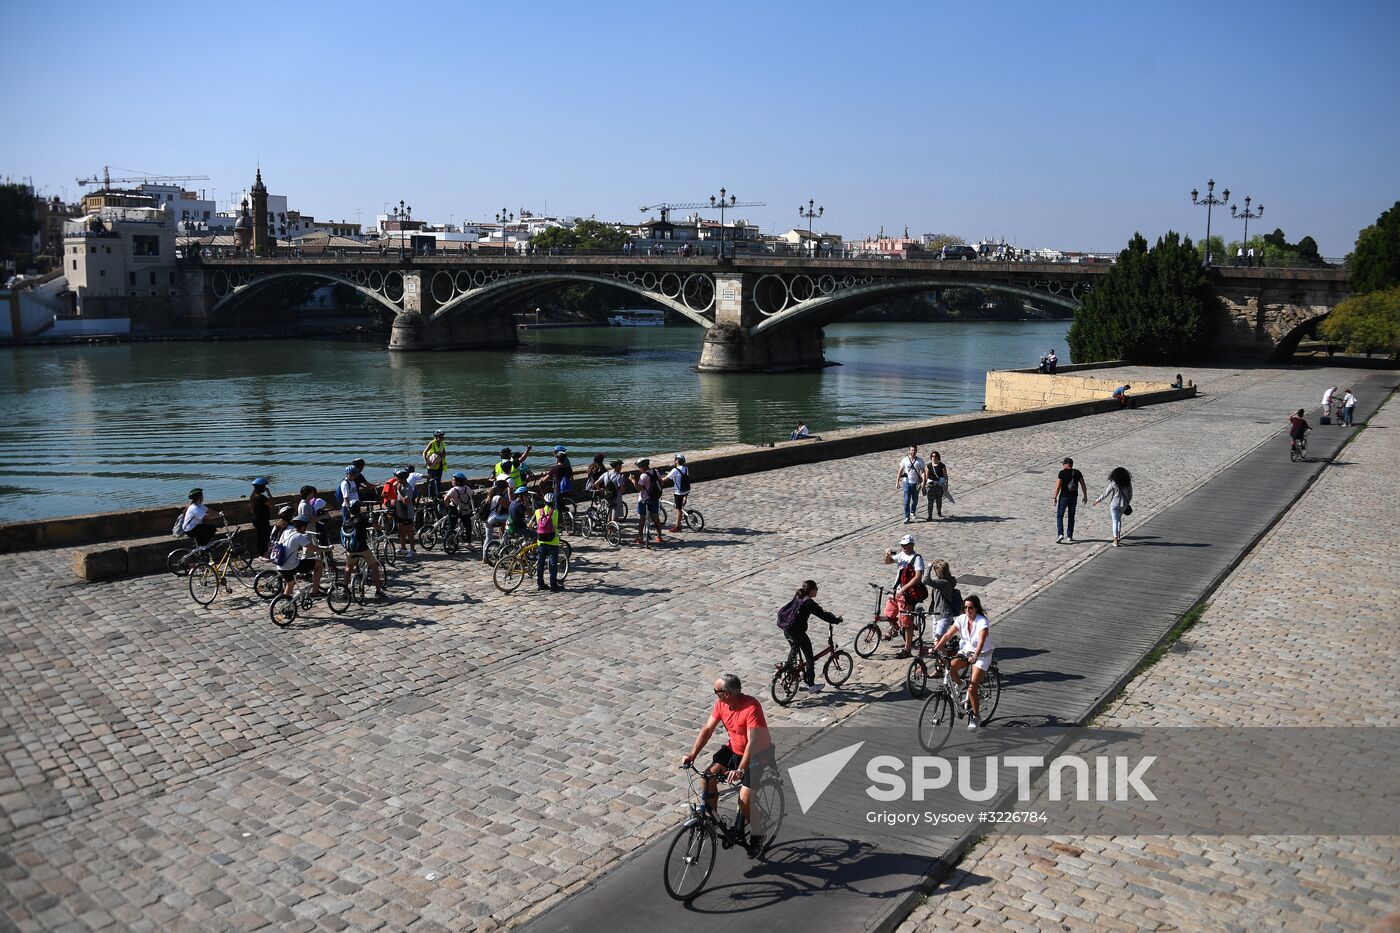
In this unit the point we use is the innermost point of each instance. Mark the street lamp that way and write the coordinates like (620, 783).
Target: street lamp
(1210, 201)
(810, 214)
(503, 217)
(403, 214)
(722, 204)
(1247, 215)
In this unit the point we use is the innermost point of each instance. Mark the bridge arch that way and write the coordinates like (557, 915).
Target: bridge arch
(821, 310)
(239, 293)
(527, 283)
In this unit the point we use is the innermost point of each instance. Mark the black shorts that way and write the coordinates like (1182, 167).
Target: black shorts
(728, 759)
(302, 569)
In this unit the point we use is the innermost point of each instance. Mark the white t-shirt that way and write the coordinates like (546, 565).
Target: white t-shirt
(1349, 401)
(414, 481)
(680, 476)
(1327, 396)
(459, 497)
(968, 632)
(349, 491)
(904, 560)
(306, 509)
(294, 541)
(913, 470)
(193, 516)
(613, 483)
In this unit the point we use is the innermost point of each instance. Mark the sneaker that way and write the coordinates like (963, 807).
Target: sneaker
(902, 655)
(411, 554)
(908, 521)
(1069, 540)
(972, 723)
(1116, 544)
(814, 688)
(541, 587)
(558, 587)
(380, 594)
(1059, 538)
(755, 846)
(674, 530)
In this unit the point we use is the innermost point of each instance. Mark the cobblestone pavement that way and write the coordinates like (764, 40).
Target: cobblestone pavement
(1254, 659)
(459, 759)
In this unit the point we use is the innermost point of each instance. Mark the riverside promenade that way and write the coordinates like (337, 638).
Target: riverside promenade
(466, 759)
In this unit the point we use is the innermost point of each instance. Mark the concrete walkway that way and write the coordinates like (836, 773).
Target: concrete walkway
(464, 759)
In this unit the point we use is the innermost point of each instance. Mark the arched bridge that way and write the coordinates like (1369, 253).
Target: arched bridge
(762, 313)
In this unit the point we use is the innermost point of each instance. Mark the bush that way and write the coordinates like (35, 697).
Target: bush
(1368, 323)
(1153, 306)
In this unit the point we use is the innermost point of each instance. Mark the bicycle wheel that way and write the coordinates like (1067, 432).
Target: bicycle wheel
(390, 556)
(178, 561)
(283, 610)
(564, 562)
(452, 542)
(917, 679)
(493, 551)
(936, 721)
(988, 695)
(838, 668)
(664, 515)
(428, 537)
(240, 558)
(339, 595)
(267, 584)
(771, 805)
(784, 685)
(612, 533)
(694, 520)
(868, 640)
(689, 860)
(204, 584)
(511, 571)
(1295, 454)
(357, 586)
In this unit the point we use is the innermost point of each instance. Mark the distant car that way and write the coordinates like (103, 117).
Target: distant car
(958, 252)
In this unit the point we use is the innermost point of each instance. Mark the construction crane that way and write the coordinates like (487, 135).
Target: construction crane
(665, 207)
(106, 180)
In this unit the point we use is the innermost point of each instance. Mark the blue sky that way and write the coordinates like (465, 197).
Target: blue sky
(1067, 125)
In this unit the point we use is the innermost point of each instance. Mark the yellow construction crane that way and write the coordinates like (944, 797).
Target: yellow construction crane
(665, 207)
(106, 180)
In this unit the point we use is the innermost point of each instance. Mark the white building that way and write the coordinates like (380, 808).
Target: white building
(187, 207)
(120, 252)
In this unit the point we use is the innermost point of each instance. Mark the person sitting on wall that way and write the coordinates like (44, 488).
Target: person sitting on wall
(800, 432)
(1179, 384)
(1121, 393)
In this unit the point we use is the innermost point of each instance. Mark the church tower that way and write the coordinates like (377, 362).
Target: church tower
(262, 237)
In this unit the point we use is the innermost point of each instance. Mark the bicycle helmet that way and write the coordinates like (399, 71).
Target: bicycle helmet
(644, 462)
(680, 458)
(286, 512)
(460, 475)
(299, 520)
(438, 434)
(615, 463)
(402, 472)
(560, 449)
(260, 481)
(195, 493)
(350, 471)
(358, 463)
(520, 490)
(549, 497)
(907, 539)
(505, 452)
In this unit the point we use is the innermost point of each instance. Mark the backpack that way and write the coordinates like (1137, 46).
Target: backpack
(787, 616)
(655, 485)
(352, 537)
(544, 523)
(957, 606)
(917, 593)
(277, 551)
(177, 530)
(683, 487)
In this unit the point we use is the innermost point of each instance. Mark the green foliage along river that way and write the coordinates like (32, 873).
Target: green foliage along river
(100, 428)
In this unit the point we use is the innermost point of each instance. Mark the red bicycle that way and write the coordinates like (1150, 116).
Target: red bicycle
(868, 638)
(788, 675)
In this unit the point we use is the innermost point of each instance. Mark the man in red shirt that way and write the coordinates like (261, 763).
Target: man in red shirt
(747, 728)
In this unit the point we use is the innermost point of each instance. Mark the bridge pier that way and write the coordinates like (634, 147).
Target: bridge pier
(729, 348)
(415, 328)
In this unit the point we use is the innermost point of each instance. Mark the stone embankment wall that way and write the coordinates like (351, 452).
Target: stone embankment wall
(1030, 389)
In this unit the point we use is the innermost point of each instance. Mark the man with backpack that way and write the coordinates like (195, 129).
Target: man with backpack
(196, 522)
(648, 500)
(546, 525)
(613, 485)
(909, 590)
(459, 505)
(292, 551)
(398, 498)
(495, 513)
(792, 620)
(1068, 484)
(679, 478)
(354, 538)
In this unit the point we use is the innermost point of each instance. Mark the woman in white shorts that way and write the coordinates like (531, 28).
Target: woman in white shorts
(974, 649)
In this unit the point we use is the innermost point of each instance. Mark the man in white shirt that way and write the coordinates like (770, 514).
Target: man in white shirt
(910, 476)
(614, 485)
(298, 546)
(349, 488)
(909, 589)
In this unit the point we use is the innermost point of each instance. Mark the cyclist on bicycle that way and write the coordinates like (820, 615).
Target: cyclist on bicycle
(497, 514)
(198, 523)
(796, 632)
(613, 485)
(561, 475)
(679, 478)
(298, 546)
(748, 747)
(648, 483)
(909, 590)
(459, 503)
(354, 538)
(518, 520)
(974, 650)
(1297, 429)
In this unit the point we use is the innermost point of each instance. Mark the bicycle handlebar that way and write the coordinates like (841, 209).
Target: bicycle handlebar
(719, 777)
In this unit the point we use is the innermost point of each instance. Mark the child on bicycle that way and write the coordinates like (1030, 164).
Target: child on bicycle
(796, 630)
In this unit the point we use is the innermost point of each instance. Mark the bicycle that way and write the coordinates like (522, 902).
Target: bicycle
(786, 676)
(453, 538)
(869, 637)
(691, 856)
(284, 608)
(512, 568)
(948, 702)
(181, 560)
(207, 579)
(598, 520)
(689, 517)
(1298, 449)
(349, 587)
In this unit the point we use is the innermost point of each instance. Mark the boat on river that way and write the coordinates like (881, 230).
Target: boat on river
(637, 318)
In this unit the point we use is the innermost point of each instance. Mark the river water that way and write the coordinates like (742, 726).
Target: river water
(100, 428)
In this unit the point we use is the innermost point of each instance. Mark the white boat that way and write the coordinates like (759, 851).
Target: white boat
(637, 318)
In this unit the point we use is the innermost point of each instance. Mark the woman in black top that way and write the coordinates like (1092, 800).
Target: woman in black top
(260, 501)
(797, 632)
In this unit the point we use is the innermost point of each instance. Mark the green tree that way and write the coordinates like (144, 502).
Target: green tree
(586, 235)
(1153, 306)
(1367, 323)
(1374, 265)
(18, 224)
(940, 240)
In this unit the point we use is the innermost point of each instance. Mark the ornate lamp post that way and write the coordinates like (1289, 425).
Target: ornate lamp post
(1247, 215)
(810, 214)
(722, 204)
(503, 217)
(402, 217)
(1210, 201)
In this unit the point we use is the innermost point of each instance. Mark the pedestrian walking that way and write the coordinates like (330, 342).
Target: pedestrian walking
(1239, 256)
(1348, 407)
(1069, 484)
(945, 601)
(260, 503)
(909, 477)
(909, 590)
(1119, 493)
(1251, 258)
(935, 486)
(1327, 405)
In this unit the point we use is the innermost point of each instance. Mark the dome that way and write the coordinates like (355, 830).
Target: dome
(244, 222)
